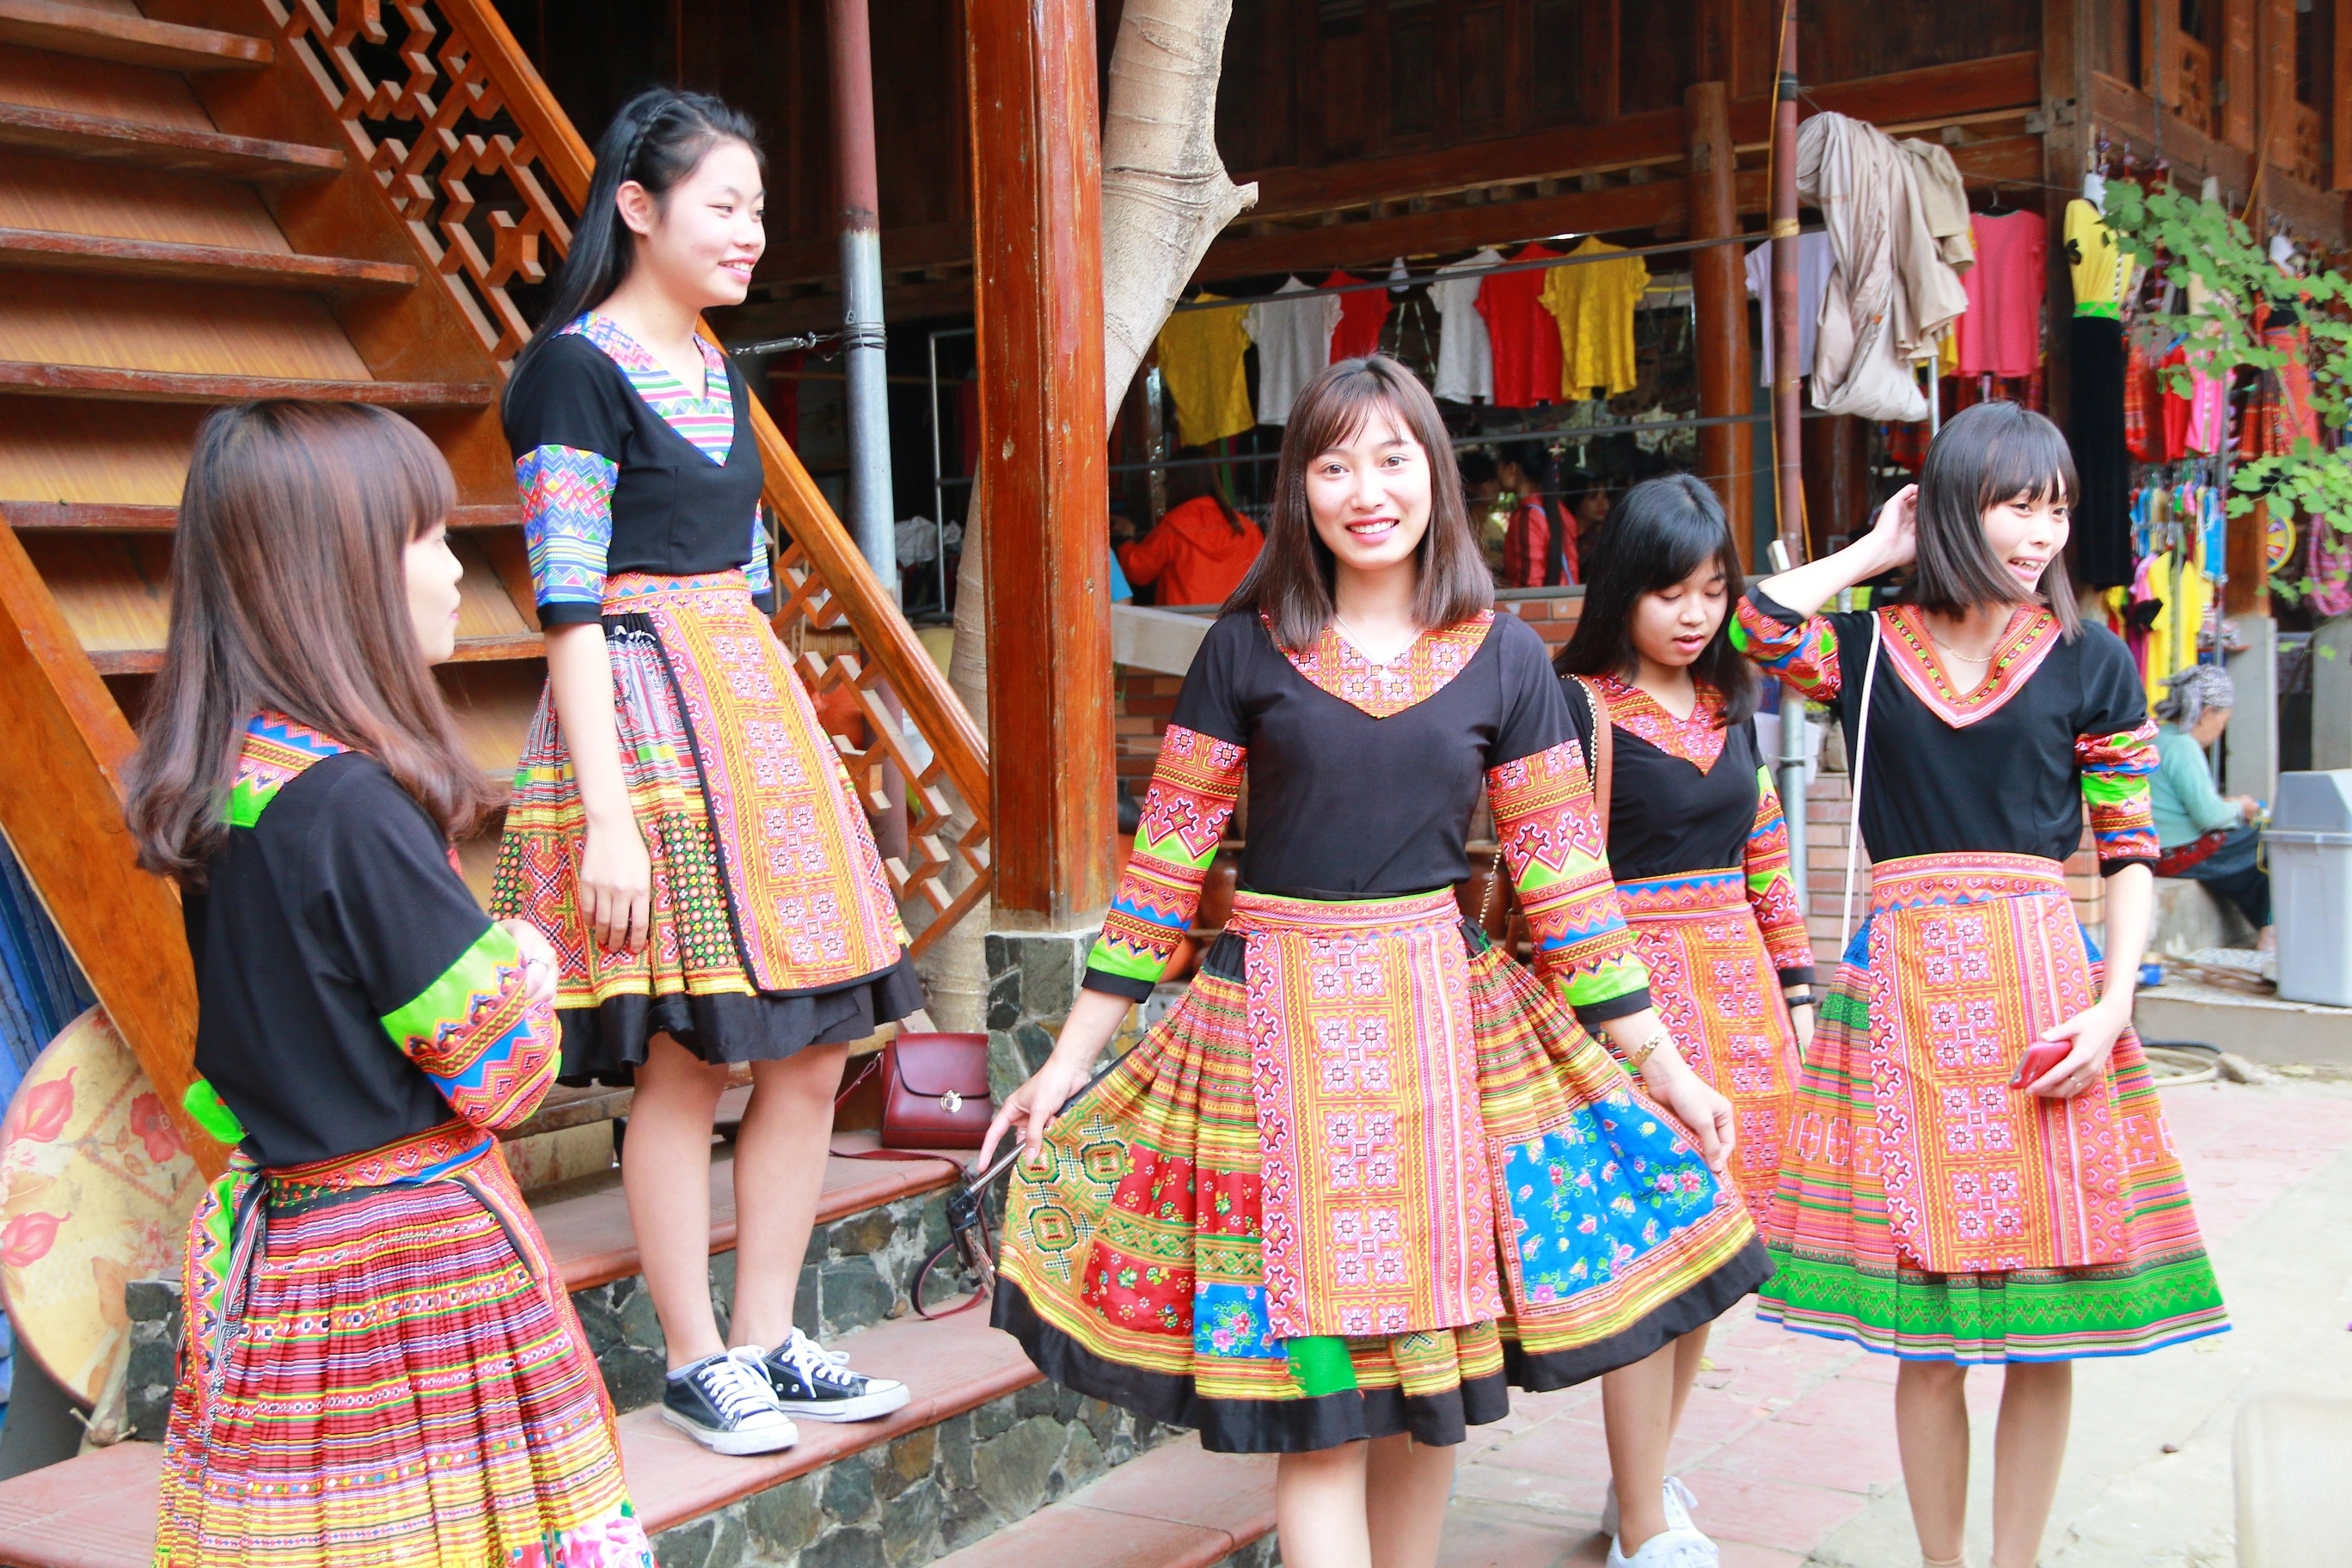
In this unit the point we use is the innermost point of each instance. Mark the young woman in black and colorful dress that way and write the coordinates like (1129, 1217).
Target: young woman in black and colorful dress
(681, 828)
(1939, 1202)
(1370, 1171)
(381, 1363)
(1663, 702)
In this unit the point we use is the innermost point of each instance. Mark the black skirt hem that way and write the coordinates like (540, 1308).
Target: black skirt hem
(606, 1044)
(1696, 1308)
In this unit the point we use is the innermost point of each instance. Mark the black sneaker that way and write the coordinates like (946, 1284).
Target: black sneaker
(723, 1403)
(812, 1382)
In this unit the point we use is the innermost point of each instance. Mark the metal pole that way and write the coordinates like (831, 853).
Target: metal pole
(1786, 434)
(871, 508)
(939, 479)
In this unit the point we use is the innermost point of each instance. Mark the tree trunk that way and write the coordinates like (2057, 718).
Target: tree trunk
(1165, 196)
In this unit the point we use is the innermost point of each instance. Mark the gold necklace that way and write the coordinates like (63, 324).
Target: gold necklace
(1955, 653)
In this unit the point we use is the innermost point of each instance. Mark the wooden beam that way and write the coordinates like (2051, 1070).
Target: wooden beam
(106, 256)
(2130, 114)
(2339, 96)
(1659, 202)
(2065, 81)
(172, 149)
(469, 650)
(2242, 87)
(1719, 295)
(1037, 236)
(109, 384)
(129, 40)
(60, 805)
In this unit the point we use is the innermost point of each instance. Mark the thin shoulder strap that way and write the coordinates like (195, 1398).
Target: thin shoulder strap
(1853, 807)
(1604, 749)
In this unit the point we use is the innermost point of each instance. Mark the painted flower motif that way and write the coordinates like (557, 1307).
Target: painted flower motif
(151, 1127)
(27, 1239)
(41, 1111)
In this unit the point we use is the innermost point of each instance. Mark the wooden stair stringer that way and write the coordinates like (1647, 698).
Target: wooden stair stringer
(60, 807)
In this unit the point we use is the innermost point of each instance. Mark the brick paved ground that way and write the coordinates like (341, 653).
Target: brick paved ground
(1789, 1443)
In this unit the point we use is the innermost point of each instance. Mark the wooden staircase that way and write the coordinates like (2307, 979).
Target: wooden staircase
(215, 200)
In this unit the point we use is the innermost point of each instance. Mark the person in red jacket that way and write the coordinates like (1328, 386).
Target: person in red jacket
(1198, 553)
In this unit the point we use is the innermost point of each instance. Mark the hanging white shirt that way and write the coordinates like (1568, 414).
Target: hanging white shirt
(1466, 357)
(1294, 345)
(1813, 264)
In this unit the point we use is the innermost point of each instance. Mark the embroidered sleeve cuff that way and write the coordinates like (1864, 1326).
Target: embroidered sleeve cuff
(571, 612)
(1192, 793)
(567, 521)
(1801, 651)
(490, 1051)
(1592, 1014)
(1134, 987)
(2117, 775)
(1556, 853)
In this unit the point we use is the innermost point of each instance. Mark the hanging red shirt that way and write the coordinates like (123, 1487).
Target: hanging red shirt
(1524, 336)
(1362, 314)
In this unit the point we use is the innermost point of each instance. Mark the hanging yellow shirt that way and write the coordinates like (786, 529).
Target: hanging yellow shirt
(2180, 617)
(1201, 360)
(2101, 269)
(1593, 303)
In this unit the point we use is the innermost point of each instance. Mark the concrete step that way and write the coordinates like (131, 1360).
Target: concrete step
(1176, 1507)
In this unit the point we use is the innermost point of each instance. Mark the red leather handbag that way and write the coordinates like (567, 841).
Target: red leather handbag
(935, 1091)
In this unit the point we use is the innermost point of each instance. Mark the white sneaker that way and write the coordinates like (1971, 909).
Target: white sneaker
(817, 1384)
(1679, 1500)
(725, 1404)
(1667, 1549)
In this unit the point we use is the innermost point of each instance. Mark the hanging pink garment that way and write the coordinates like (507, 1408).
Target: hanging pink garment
(2209, 409)
(2001, 332)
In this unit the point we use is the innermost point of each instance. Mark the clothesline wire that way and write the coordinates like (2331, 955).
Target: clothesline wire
(1457, 273)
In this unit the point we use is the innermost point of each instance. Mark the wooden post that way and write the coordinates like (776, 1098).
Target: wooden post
(1719, 292)
(1037, 248)
(1786, 407)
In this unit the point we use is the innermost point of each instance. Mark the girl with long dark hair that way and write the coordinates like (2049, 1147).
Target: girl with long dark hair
(1278, 1218)
(362, 1031)
(681, 828)
(1979, 1171)
(1662, 703)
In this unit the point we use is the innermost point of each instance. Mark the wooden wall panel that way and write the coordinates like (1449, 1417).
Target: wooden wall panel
(2239, 95)
(1846, 39)
(60, 319)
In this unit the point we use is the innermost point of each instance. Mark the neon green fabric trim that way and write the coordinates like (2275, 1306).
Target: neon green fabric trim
(450, 999)
(2101, 789)
(1126, 963)
(1605, 982)
(206, 1109)
(1321, 1365)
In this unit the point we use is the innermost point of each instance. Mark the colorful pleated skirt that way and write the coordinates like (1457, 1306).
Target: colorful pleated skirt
(774, 924)
(1713, 982)
(1365, 1176)
(1930, 1210)
(381, 1370)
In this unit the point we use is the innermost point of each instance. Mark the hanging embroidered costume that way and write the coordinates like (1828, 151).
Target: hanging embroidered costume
(382, 1366)
(1369, 1169)
(1700, 852)
(773, 927)
(1927, 1209)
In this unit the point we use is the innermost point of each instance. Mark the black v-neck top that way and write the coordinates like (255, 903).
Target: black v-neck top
(1345, 806)
(1665, 818)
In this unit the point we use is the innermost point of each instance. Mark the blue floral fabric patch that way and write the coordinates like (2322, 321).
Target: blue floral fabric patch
(1230, 1321)
(1593, 1197)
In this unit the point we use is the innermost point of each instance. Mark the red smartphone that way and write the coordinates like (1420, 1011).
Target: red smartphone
(2035, 1065)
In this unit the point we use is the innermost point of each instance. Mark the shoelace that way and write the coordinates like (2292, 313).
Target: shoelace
(810, 1359)
(735, 1387)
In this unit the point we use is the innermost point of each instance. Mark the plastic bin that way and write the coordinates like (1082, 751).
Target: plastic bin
(2310, 845)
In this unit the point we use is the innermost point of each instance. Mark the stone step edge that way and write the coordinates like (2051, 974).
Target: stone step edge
(1175, 1507)
(97, 1510)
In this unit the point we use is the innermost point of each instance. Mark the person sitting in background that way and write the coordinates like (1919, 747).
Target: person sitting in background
(1588, 501)
(1482, 496)
(2204, 835)
(1202, 549)
(1538, 548)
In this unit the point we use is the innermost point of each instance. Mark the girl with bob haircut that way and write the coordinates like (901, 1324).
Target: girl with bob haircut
(1277, 1219)
(362, 1031)
(681, 827)
(1979, 1171)
(1662, 703)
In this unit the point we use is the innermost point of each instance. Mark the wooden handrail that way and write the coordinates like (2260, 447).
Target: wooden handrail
(883, 632)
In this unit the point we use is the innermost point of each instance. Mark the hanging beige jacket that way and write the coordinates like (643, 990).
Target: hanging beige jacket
(1943, 200)
(1890, 293)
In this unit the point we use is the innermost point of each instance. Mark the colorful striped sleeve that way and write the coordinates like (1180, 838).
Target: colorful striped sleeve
(1800, 651)
(567, 528)
(490, 1051)
(1772, 890)
(1192, 794)
(2117, 774)
(1555, 851)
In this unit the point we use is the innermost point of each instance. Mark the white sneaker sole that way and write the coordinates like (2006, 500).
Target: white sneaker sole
(734, 1444)
(864, 1407)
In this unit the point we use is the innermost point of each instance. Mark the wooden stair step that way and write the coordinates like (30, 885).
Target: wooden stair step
(97, 1510)
(108, 384)
(586, 1224)
(128, 40)
(97, 255)
(469, 650)
(105, 517)
(97, 138)
(1175, 1507)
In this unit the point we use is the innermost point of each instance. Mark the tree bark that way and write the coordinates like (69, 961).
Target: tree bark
(1165, 196)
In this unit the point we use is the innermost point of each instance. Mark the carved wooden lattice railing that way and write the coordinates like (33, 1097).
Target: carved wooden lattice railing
(441, 103)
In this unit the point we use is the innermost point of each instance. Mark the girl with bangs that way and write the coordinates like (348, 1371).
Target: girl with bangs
(1662, 703)
(1368, 1172)
(362, 1030)
(1979, 1171)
